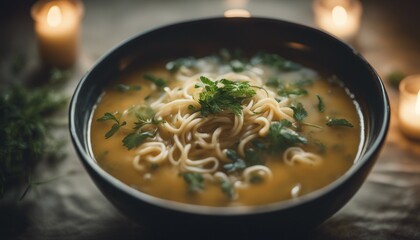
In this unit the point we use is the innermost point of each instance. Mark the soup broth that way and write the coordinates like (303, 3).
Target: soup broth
(305, 136)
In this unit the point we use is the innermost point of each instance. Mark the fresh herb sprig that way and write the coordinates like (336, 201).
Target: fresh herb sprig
(223, 96)
(115, 127)
(282, 136)
(339, 122)
(321, 104)
(25, 118)
(159, 82)
(195, 181)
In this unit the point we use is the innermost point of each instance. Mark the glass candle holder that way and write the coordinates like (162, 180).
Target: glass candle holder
(57, 28)
(409, 106)
(338, 17)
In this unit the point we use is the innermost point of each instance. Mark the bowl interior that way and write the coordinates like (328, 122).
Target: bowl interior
(202, 37)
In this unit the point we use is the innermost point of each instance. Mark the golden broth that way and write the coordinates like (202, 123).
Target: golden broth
(341, 147)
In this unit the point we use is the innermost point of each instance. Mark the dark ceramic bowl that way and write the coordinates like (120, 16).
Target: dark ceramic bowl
(199, 38)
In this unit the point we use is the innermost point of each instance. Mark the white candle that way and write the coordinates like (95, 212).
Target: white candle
(236, 12)
(409, 106)
(57, 27)
(338, 17)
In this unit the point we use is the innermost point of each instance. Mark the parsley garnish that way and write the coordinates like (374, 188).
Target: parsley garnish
(340, 122)
(299, 112)
(275, 61)
(159, 82)
(135, 139)
(145, 115)
(236, 164)
(237, 66)
(125, 88)
(223, 95)
(175, 65)
(115, 127)
(321, 105)
(195, 181)
(282, 137)
(227, 189)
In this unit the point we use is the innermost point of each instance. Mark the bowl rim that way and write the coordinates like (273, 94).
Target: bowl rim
(363, 159)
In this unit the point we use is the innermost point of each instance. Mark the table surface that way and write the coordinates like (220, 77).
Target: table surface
(386, 207)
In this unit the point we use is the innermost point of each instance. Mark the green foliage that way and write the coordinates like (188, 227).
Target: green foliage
(275, 61)
(227, 189)
(145, 115)
(321, 105)
(299, 112)
(25, 121)
(281, 136)
(115, 127)
(135, 139)
(159, 82)
(338, 122)
(175, 65)
(223, 95)
(195, 181)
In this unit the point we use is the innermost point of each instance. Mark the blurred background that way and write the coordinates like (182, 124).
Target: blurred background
(386, 207)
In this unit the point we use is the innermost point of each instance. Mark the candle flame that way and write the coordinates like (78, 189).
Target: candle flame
(339, 16)
(237, 13)
(54, 16)
(418, 104)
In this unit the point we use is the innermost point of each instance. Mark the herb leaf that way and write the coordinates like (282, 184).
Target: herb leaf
(236, 164)
(175, 65)
(275, 61)
(321, 105)
(107, 116)
(114, 129)
(340, 122)
(299, 112)
(227, 189)
(125, 88)
(282, 137)
(145, 115)
(237, 66)
(135, 139)
(195, 181)
(223, 95)
(159, 82)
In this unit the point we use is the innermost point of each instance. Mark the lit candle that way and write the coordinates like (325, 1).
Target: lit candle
(237, 13)
(57, 27)
(409, 106)
(339, 17)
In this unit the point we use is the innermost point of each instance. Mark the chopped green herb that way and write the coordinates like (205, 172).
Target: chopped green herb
(125, 88)
(275, 61)
(115, 127)
(234, 166)
(154, 166)
(299, 112)
(288, 90)
(227, 189)
(321, 105)
(145, 115)
(252, 157)
(223, 95)
(340, 122)
(159, 82)
(237, 66)
(320, 146)
(282, 137)
(195, 181)
(175, 65)
(135, 139)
